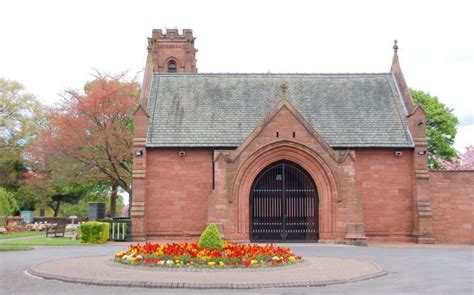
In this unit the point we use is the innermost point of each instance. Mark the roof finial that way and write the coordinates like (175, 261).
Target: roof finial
(284, 94)
(395, 46)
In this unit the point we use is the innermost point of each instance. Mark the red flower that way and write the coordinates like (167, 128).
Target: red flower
(239, 254)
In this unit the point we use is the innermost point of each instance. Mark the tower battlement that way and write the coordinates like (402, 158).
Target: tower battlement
(173, 52)
(172, 34)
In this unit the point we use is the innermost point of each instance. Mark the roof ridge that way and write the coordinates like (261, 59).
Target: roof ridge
(268, 74)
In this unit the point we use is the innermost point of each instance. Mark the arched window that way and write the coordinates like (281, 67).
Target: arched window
(172, 66)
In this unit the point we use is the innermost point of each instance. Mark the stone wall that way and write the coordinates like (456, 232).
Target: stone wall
(452, 202)
(177, 191)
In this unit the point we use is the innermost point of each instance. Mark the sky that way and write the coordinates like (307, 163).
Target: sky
(51, 46)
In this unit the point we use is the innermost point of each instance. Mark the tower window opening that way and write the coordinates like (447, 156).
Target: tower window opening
(172, 66)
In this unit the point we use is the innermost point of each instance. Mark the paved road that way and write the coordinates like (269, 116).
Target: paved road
(410, 271)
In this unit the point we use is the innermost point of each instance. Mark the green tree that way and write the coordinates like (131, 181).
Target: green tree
(8, 204)
(75, 197)
(440, 128)
(20, 116)
(30, 197)
(19, 113)
(12, 167)
(66, 193)
(81, 208)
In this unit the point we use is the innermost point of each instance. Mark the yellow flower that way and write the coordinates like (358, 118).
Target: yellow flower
(253, 261)
(292, 258)
(211, 263)
(221, 263)
(120, 254)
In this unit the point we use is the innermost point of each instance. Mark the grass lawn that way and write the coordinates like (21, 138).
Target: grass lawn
(14, 248)
(26, 234)
(23, 234)
(59, 241)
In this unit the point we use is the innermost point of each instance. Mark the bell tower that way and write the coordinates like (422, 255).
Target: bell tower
(167, 53)
(172, 52)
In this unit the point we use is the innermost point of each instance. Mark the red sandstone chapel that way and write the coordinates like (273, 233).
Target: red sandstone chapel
(286, 157)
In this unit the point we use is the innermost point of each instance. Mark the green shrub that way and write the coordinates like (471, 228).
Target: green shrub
(28, 196)
(211, 238)
(8, 204)
(95, 232)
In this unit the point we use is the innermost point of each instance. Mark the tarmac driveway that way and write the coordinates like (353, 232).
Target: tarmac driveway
(411, 270)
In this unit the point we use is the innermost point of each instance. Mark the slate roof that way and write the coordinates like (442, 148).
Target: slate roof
(221, 110)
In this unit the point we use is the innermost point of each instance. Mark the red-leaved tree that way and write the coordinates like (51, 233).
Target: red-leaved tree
(89, 137)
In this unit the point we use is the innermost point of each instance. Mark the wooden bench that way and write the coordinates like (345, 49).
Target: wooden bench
(58, 230)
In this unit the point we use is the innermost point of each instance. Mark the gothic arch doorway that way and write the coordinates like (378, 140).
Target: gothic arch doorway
(284, 204)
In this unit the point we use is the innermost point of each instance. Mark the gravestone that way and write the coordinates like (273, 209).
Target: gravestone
(27, 216)
(96, 211)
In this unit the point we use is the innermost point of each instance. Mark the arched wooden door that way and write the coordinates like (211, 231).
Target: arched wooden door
(284, 205)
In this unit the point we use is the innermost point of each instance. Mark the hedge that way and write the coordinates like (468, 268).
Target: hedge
(95, 232)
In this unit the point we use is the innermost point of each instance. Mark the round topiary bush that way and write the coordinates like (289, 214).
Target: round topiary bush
(211, 238)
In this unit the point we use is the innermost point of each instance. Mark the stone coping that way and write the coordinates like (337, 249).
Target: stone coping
(313, 272)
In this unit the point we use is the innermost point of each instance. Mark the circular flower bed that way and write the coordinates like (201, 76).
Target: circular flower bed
(191, 255)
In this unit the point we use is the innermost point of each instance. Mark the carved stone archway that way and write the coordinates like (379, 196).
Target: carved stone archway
(317, 166)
